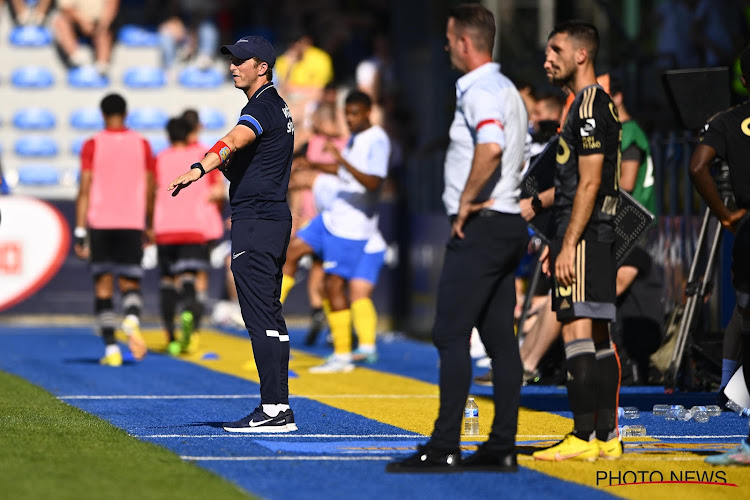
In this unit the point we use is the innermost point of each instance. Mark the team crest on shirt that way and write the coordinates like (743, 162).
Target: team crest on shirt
(745, 126)
(224, 153)
(588, 127)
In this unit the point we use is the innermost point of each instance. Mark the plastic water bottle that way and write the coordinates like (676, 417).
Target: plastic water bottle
(744, 412)
(710, 411)
(667, 410)
(684, 415)
(632, 431)
(471, 418)
(628, 412)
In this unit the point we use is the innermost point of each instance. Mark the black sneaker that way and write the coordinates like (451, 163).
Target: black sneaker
(484, 380)
(289, 418)
(484, 460)
(428, 459)
(260, 422)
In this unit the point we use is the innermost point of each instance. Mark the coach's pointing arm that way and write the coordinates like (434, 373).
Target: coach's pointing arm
(218, 156)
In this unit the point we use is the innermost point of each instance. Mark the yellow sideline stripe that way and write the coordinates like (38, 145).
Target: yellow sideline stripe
(418, 415)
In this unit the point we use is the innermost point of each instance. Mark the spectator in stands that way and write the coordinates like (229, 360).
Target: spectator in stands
(189, 32)
(90, 18)
(302, 72)
(28, 13)
(114, 206)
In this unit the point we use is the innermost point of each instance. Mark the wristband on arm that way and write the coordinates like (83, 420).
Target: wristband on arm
(199, 167)
(79, 236)
(222, 150)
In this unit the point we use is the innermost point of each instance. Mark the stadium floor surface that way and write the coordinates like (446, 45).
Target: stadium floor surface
(351, 425)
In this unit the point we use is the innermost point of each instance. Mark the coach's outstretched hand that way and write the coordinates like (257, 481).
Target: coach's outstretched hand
(184, 180)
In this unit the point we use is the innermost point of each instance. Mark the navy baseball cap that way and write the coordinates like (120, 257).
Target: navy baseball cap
(248, 47)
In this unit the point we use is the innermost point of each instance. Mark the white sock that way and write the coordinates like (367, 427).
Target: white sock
(111, 349)
(271, 410)
(283, 407)
(369, 349)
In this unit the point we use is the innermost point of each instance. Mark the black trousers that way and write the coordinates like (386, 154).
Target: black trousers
(477, 289)
(258, 255)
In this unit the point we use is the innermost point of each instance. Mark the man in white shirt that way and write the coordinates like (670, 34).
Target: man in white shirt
(488, 237)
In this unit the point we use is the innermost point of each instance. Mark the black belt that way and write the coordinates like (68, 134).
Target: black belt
(485, 212)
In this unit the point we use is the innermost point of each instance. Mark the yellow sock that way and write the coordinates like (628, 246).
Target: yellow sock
(365, 320)
(287, 283)
(341, 331)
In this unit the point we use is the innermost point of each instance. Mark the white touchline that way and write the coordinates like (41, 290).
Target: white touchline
(276, 435)
(245, 396)
(300, 457)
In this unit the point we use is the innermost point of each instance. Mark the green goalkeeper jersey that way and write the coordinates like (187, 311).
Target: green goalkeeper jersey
(643, 192)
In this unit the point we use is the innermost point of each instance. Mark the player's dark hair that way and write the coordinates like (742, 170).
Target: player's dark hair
(177, 130)
(553, 98)
(581, 31)
(113, 104)
(479, 24)
(358, 97)
(192, 118)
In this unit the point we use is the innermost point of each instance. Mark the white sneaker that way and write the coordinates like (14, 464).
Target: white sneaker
(476, 347)
(334, 364)
(484, 362)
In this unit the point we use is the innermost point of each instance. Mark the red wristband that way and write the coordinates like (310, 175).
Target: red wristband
(222, 150)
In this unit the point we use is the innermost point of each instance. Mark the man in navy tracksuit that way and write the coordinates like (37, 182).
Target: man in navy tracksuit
(256, 156)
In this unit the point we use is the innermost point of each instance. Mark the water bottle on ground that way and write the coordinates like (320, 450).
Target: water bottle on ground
(684, 415)
(632, 431)
(471, 418)
(667, 411)
(703, 413)
(744, 412)
(628, 412)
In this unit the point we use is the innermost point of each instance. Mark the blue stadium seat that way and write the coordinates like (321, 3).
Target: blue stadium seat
(30, 36)
(131, 35)
(32, 77)
(77, 145)
(146, 118)
(36, 145)
(38, 175)
(34, 119)
(87, 119)
(87, 77)
(211, 118)
(201, 79)
(158, 143)
(144, 77)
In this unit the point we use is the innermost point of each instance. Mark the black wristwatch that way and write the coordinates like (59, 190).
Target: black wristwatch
(199, 167)
(536, 204)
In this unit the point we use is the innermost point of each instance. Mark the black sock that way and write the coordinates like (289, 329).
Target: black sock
(607, 390)
(190, 300)
(106, 320)
(581, 361)
(132, 303)
(168, 302)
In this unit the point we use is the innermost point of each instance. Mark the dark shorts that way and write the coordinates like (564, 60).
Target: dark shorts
(594, 291)
(116, 251)
(741, 263)
(176, 259)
